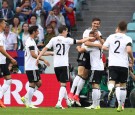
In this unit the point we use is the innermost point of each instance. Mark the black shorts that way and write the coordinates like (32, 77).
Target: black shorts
(96, 76)
(4, 71)
(62, 74)
(83, 59)
(33, 75)
(118, 74)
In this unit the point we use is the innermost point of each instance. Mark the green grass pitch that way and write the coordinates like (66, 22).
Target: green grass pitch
(67, 111)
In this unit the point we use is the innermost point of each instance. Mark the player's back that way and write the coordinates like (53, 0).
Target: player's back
(117, 49)
(61, 47)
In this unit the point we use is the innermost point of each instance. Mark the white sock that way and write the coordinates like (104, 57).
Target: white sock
(95, 96)
(80, 86)
(66, 97)
(30, 94)
(99, 94)
(61, 94)
(36, 87)
(117, 91)
(5, 87)
(123, 94)
(75, 82)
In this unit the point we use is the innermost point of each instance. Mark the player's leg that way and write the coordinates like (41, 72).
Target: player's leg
(7, 83)
(123, 92)
(112, 77)
(95, 79)
(75, 84)
(62, 74)
(34, 83)
(80, 85)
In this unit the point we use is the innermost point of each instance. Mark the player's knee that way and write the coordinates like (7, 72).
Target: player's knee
(8, 82)
(110, 87)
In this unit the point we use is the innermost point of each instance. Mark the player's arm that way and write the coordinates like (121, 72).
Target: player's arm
(91, 44)
(3, 51)
(80, 49)
(105, 48)
(32, 52)
(84, 40)
(41, 54)
(130, 53)
(48, 53)
(100, 39)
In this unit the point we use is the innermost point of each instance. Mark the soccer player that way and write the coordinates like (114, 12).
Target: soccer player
(97, 68)
(61, 45)
(84, 63)
(120, 49)
(3, 65)
(31, 54)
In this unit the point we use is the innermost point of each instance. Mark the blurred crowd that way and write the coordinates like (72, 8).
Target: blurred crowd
(47, 14)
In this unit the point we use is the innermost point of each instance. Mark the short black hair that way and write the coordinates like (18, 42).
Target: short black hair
(62, 28)
(96, 19)
(32, 29)
(122, 25)
(33, 15)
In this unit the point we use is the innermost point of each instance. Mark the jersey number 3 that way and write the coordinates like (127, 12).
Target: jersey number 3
(118, 43)
(61, 49)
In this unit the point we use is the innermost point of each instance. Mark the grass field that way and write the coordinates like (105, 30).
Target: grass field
(67, 111)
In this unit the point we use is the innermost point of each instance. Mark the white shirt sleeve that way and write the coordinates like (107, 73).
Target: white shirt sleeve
(70, 40)
(106, 43)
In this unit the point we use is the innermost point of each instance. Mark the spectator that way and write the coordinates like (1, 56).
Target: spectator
(49, 34)
(24, 11)
(5, 12)
(11, 39)
(54, 21)
(66, 8)
(13, 4)
(57, 13)
(40, 12)
(16, 27)
(23, 36)
(40, 37)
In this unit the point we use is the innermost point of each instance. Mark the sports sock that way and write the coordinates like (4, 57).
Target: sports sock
(75, 82)
(80, 86)
(36, 87)
(118, 95)
(99, 94)
(30, 94)
(61, 94)
(123, 94)
(5, 87)
(95, 96)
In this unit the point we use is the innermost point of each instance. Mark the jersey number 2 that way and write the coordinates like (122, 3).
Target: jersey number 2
(116, 50)
(60, 47)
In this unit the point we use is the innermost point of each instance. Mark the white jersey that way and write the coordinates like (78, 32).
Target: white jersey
(86, 34)
(117, 49)
(30, 62)
(95, 57)
(61, 47)
(2, 43)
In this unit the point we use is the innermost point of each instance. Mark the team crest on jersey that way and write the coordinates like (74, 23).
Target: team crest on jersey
(59, 40)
